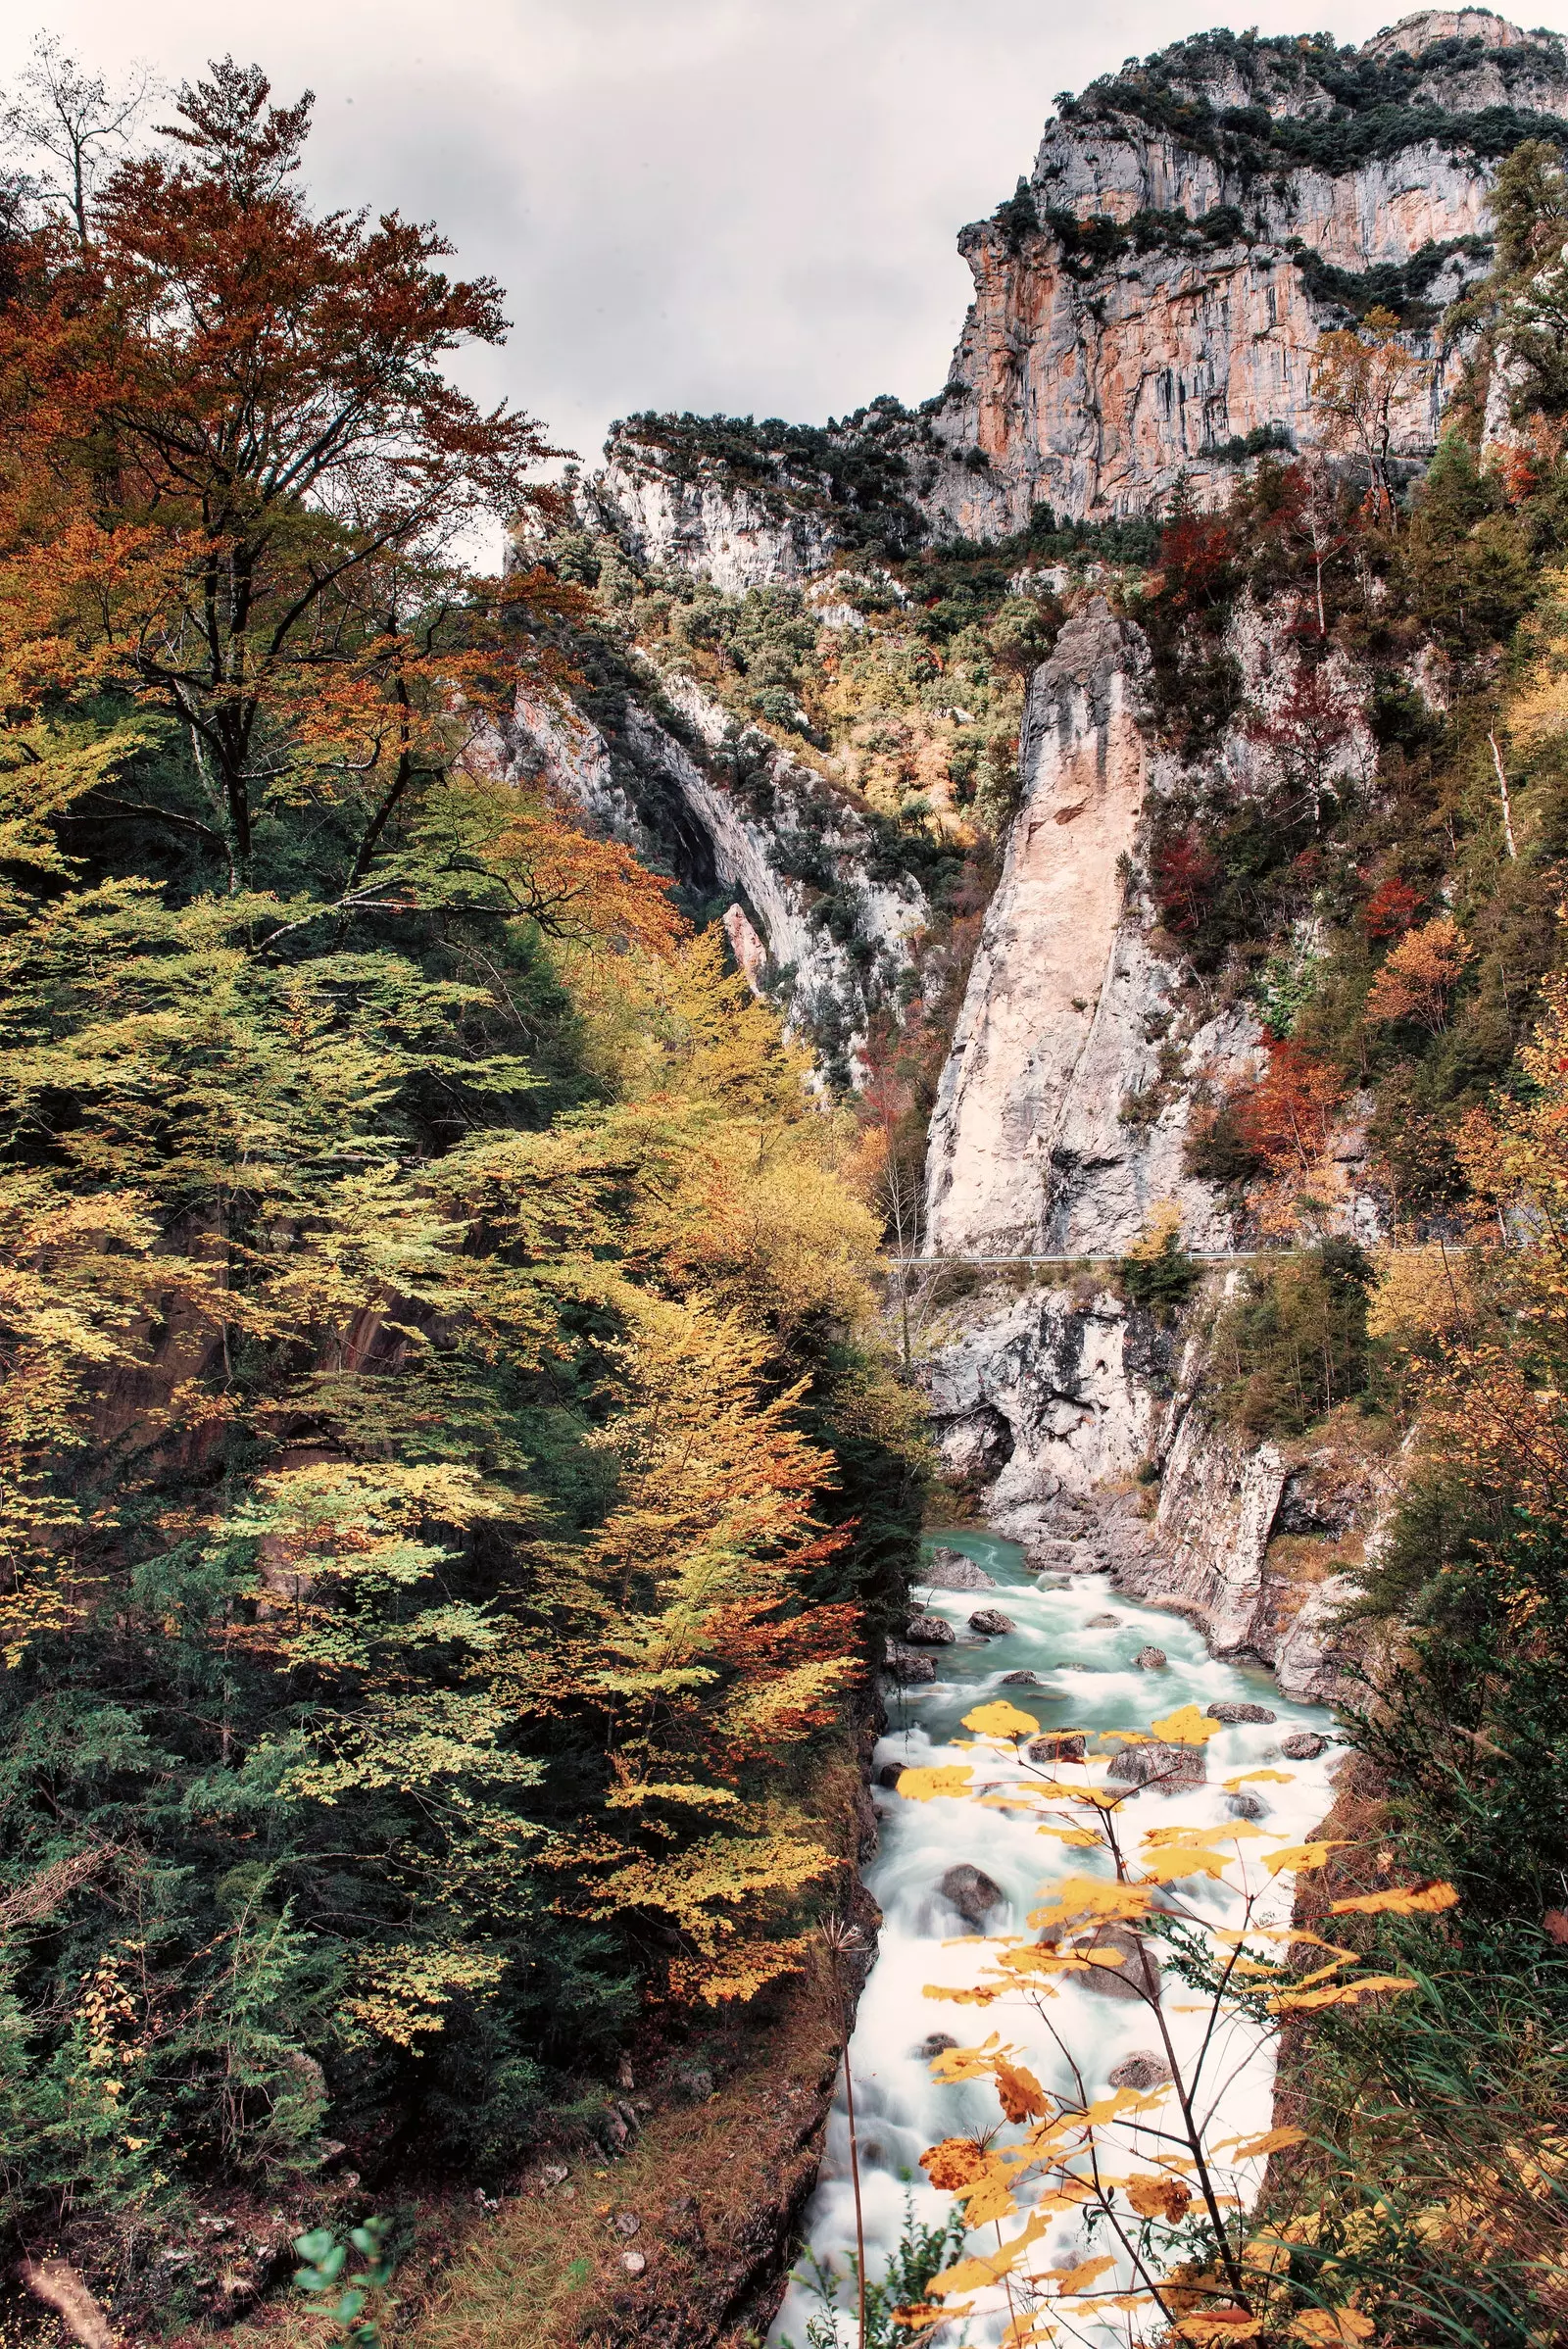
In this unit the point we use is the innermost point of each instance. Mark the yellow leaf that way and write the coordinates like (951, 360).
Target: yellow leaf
(1333, 2327)
(967, 2063)
(1177, 1860)
(1079, 2279)
(1254, 1778)
(926, 1786)
(1303, 1856)
(936, 1989)
(1000, 1720)
(1219, 2325)
(1155, 2197)
(1188, 1726)
(1022, 2097)
(1083, 1837)
(1088, 1899)
(953, 2163)
(1400, 1900)
(1337, 1994)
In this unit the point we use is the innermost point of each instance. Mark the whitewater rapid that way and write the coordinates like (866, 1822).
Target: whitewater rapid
(1092, 1682)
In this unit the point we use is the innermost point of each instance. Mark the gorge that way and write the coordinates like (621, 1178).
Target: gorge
(838, 1210)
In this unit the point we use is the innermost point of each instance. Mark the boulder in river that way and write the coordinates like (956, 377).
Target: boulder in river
(1057, 1746)
(1246, 1806)
(1304, 1746)
(1142, 2070)
(972, 1891)
(929, 1630)
(1151, 1659)
(990, 1622)
(1103, 1623)
(935, 2043)
(1136, 1976)
(1169, 1768)
(907, 1664)
(951, 1570)
(1022, 1680)
(890, 1773)
(1232, 1713)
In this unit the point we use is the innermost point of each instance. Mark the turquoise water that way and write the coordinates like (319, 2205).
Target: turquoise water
(1092, 1682)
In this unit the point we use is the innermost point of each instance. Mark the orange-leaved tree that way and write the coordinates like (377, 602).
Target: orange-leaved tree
(235, 480)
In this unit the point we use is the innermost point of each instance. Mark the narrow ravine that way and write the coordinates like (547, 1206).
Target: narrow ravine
(1081, 1640)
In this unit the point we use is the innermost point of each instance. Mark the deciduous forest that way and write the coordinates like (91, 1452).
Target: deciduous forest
(461, 1455)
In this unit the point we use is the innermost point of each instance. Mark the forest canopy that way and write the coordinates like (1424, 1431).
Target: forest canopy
(448, 1468)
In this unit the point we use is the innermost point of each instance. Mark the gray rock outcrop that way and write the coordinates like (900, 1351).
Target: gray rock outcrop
(990, 1623)
(972, 1891)
(951, 1570)
(929, 1630)
(1168, 1769)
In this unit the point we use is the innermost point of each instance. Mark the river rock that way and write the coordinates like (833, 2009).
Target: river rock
(1232, 1713)
(907, 1663)
(990, 1622)
(935, 2043)
(1057, 1746)
(1151, 1659)
(972, 1891)
(1246, 1806)
(929, 1630)
(1141, 2070)
(1303, 1746)
(1022, 1680)
(1168, 1768)
(889, 1773)
(1103, 1623)
(1137, 1975)
(951, 1570)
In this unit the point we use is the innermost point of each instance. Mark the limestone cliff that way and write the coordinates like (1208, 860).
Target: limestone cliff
(1152, 294)
(1033, 1149)
(735, 818)
(1146, 305)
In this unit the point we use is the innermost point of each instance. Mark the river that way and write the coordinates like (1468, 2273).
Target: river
(1092, 1682)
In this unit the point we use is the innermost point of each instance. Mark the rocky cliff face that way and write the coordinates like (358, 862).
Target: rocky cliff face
(1192, 226)
(1146, 302)
(1081, 1428)
(737, 818)
(1035, 1148)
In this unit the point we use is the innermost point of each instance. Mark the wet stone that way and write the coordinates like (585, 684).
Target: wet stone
(1151, 1659)
(951, 1570)
(1064, 1746)
(1232, 1713)
(929, 1630)
(935, 2043)
(907, 1664)
(889, 1773)
(1103, 1623)
(972, 1891)
(1020, 1680)
(990, 1623)
(1246, 1806)
(1137, 1976)
(1141, 2070)
(1167, 1768)
(1304, 1746)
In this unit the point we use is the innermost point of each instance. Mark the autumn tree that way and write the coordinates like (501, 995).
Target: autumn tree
(1420, 977)
(1363, 380)
(254, 473)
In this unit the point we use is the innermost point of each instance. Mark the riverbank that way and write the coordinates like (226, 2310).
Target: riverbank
(948, 1877)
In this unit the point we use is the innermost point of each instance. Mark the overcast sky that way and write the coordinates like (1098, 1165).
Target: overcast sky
(747, 205)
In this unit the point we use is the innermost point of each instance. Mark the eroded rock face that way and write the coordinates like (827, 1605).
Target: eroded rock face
(1031, 1151)
(1092, 379)
(671, 799)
